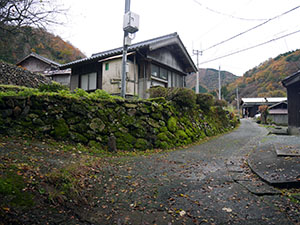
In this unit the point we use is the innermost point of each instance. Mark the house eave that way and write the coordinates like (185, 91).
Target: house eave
(291, 79)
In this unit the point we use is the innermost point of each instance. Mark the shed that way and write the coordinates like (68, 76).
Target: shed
(161, 61)
(278, 113)
(250, 105)
(292, 84)
(39, 64)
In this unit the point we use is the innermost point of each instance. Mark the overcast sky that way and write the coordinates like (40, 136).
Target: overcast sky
(96, 25)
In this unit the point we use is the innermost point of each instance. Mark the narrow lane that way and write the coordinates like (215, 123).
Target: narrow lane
(204, 184)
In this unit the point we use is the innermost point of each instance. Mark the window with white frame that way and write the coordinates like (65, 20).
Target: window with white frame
(88, 81)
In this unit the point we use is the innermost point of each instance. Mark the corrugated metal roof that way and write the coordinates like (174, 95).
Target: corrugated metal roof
(264, 100)
(42, 58)
(133, 47)
(278, 111)
(57, 72)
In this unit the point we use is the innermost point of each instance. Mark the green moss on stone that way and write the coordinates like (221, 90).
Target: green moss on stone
(78, 137)
(61, 129)
(163, 137)
(162, 145)
(163, 129)
(157, 115)
(172, 124)
(141, 144)
(94, 144)
(181, 134)
(125, 141)
(127, 120)
(11, 191)
(97, 125)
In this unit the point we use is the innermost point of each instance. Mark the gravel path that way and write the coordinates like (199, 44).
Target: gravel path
(204, 184)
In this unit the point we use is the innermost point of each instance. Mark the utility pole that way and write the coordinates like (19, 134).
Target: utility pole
(238, 101)
(220, 94)
(197, 52)
(124, 60)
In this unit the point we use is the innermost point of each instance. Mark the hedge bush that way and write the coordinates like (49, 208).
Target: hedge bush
(205, 101)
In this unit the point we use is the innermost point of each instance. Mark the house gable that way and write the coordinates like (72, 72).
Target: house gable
(165, 56)
(36, 63)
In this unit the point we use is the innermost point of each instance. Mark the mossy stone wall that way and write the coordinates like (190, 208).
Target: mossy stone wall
(135, 124)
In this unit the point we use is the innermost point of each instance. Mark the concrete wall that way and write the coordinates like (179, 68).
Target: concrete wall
(279, 119)
(62, 79)
(294, 130)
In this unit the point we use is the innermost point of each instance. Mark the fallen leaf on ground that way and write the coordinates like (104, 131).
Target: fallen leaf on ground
(227, 209)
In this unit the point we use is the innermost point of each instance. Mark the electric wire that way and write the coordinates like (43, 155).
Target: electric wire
(225, 14)
(246, 49)
(252, 28)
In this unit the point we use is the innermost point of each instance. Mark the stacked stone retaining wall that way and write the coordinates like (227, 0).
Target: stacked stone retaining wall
(135, 125)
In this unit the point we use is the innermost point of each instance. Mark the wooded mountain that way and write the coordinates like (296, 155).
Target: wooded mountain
(265, 79)
(209, 80)
(16, 45)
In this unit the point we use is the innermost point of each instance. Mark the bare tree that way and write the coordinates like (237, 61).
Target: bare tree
(35, 13)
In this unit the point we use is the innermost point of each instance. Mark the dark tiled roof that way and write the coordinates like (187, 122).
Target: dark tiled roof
(42, 58)
(133, 47)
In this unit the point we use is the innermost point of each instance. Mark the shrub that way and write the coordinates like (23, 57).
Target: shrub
(184, 97)
(53, 87)
(99, 94)
(221, 103)
(264, 113)
(157, 92)
(205, 101)
(80, 92)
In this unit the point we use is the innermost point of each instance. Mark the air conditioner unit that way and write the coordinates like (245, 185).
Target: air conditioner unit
(131, 22)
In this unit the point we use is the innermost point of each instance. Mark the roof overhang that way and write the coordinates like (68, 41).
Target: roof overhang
(294, 78)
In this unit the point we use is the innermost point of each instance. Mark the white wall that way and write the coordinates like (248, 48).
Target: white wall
(111, 78)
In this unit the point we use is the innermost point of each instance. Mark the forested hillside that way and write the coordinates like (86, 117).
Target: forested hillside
(265, 79)
(209, 80)
(17, 44)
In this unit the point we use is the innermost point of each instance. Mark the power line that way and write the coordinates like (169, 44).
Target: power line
(257, 26)
(246, 49)
(225, 14)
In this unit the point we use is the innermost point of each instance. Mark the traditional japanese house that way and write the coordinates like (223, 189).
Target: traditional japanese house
(250, 105)
(278, 113)
(162, 61)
